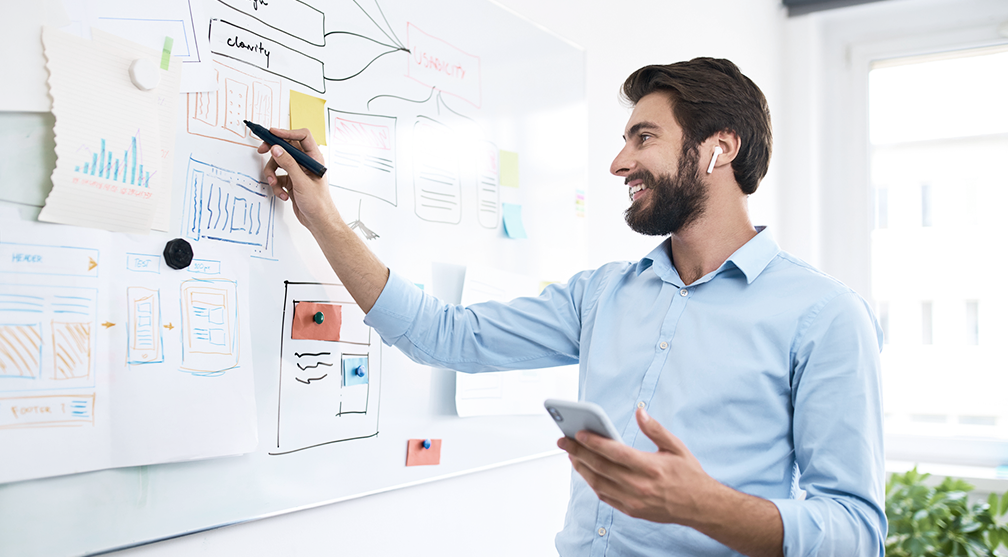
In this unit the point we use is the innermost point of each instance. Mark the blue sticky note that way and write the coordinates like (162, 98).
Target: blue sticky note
(355, 371)
(513, 226)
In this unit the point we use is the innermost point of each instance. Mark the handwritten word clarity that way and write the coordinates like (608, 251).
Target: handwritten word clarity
(431, 62)
(254, 48)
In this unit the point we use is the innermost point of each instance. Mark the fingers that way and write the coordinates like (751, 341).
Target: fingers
(661, 437)
(603, 456)
(283, 159)
(304, 137)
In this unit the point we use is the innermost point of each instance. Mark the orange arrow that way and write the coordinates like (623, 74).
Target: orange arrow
(169, 326)
(91, 264)
(107, 324)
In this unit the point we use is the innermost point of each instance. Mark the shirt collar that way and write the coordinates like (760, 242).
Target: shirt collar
(751, 258)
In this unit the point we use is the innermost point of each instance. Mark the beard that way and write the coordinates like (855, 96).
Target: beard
(676, 201)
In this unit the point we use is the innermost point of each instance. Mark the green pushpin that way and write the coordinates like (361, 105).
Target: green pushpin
(319, 317)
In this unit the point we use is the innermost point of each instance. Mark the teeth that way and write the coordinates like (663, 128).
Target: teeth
(635, 189)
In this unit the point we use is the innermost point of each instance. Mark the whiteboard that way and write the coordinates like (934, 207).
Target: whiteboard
(436, 134)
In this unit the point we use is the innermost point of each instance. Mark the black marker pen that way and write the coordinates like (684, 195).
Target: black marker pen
(301, 158)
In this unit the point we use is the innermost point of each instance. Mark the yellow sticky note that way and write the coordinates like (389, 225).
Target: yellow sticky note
(307, 111)
(509, 169)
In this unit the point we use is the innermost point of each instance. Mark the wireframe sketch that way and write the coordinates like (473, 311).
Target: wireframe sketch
(210, 333)
(20, 349)
(362, 154)
(330, 373)
(434, 62)
(240, 96)
(437, 179)
(289, 40)
(488, 185)
(143, 328)
(63, 410)
(226, 206)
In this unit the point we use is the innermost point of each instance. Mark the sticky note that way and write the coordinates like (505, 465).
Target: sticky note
(307, 111)
(509, 169)
(513, 226)
(166, 52)
(350, 374)
(304, 325)
(417, 455)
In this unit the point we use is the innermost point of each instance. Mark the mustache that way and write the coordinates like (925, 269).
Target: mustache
(644, 175)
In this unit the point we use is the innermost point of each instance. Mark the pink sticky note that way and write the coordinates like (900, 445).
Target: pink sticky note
(305, 327)
(417, 455)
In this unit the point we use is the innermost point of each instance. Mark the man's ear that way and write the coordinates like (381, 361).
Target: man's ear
(725, 144)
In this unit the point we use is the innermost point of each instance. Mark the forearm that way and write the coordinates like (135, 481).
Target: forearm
(357, 267)
(748, 524)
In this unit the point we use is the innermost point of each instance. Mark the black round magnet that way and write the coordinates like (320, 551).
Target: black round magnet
(178, 253)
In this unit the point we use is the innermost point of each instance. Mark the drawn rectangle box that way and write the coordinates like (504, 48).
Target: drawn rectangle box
(226, 39)
(293, 17)
(210, 115)
(229, 207)
(71, 350)
(48, 260)
(437, 179)
(72, 410)
(362, 154)
(435, 63)
(144, 344)
(209, 347)
(21, 350)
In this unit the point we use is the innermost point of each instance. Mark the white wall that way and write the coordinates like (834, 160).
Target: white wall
(516, 510)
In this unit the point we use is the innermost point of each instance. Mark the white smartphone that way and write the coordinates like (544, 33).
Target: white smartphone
(573, 416)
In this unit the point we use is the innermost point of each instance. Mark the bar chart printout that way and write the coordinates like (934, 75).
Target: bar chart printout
(103, 163)
(108, 137)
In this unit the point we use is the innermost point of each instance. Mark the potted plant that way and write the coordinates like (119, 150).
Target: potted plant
(940, 521)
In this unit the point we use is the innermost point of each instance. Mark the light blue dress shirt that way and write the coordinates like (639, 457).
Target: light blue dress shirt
(767, 369)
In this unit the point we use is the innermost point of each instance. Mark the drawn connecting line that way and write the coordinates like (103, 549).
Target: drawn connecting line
(226, 206)
(220, 114)
(293, 22)
(362, 154)
(330, 374)
(210, 335)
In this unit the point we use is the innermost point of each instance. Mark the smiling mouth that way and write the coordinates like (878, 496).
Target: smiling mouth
(635, 187)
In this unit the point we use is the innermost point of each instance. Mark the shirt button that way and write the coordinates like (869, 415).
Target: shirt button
(601, 531)
(640, 404)
(684, 292)
(663, 345)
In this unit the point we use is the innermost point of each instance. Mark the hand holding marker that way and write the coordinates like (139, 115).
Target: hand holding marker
(301, 158)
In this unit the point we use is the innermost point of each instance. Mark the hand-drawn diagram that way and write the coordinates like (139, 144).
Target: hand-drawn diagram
(488, 185)
(330, 373)
(435, 63)
(210, 332)
(362, 154)
(281, 23)
(226, 206)
(127, 170)
(437, 179)
(145, 345)
(220, 114)
(47, 339)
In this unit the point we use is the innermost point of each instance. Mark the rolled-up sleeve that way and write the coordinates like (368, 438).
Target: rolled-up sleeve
(837, 401)
(524, 333)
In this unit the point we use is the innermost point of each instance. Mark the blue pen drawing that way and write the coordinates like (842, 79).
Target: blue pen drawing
(315, 409)
(144, 344)
(226, 206)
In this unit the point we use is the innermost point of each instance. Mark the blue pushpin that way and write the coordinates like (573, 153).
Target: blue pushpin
(426, 443)
(359, 372)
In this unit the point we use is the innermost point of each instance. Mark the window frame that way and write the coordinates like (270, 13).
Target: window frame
(842, 201)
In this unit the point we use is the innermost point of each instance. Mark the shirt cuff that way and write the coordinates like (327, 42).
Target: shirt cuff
(395, 309)
(803, 533)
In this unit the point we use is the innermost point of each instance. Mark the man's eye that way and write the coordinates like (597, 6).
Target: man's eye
(644, 137)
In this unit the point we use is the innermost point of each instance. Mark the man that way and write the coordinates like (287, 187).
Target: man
(763, 370)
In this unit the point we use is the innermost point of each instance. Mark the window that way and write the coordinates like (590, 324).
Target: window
(938, 129)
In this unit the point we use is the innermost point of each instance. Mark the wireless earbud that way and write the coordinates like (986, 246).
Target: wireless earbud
(717, 151)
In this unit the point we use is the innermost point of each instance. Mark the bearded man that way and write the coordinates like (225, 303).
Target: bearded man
(744, 382)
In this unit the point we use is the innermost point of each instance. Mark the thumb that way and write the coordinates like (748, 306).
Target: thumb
(285, 161)
(661, 437)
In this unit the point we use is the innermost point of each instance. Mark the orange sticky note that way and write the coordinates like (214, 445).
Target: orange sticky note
(417, 455)
(307, 111)
(305, 327)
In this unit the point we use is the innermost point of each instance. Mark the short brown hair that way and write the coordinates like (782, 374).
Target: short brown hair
(710, 95)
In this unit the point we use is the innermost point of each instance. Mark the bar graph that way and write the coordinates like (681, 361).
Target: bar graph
(127, 169)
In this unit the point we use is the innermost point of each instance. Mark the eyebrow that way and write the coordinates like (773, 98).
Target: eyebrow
(634, 129)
